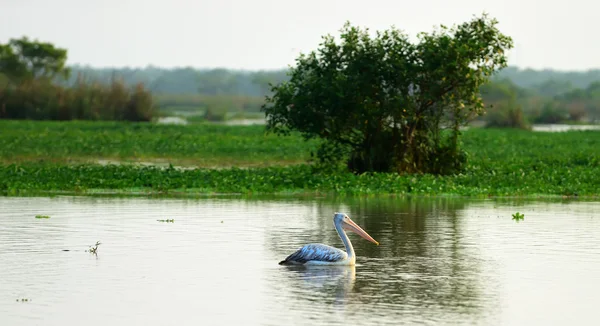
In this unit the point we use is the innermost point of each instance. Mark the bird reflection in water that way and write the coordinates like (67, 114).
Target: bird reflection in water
(325, 281)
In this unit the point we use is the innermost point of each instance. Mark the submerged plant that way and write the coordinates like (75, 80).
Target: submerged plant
(94, 249)
(42, 216)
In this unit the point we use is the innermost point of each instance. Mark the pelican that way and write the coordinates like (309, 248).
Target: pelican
(320, 254)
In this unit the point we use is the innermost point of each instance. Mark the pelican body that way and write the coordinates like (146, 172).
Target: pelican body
(320, 254)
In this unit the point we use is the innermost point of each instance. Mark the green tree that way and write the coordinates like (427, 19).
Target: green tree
(503, 97)
(216, 82)
(553, 87)
(22, 59)
(265, 80)
(383, 103)
(502, 89)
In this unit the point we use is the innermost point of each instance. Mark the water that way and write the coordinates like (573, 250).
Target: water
(544, 127)
(262, 121)
(172, 120)
(231, 122)
(441, 261)
(563, 127)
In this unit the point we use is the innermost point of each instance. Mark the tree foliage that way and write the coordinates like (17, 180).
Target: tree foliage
(22, 59)
(385, 103)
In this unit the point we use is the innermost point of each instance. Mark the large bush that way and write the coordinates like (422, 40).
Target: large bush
(383, 103)
(43, 100)
(507, 114)
(552, 111)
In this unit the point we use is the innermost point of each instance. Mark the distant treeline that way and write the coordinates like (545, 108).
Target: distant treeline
(549, 102)
(519, 96)
(36, 83)
(188, 80)
(256, 83)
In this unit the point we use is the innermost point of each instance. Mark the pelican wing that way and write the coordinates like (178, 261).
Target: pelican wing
(315, 251)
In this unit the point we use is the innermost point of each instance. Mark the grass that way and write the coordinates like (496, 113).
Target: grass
(501, 162)
(204, 145)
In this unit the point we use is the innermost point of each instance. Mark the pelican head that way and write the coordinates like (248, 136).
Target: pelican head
(342, 220)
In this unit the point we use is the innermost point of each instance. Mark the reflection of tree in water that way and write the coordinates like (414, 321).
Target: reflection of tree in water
(423, 263)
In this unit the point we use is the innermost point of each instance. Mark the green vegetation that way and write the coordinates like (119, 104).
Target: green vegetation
(513, 106)
(187, 81)
(28, 88)
(182, 91)
(214, 108)
(191, 103)
(23, 60)
(39, 100)
(500, 162)
(377, 104)
(518, 216)
(42, 216)
(199, 144)
(507, 115)
(384, 104)
(35, 83)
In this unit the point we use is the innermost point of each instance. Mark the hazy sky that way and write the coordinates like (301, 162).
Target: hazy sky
(268, 34)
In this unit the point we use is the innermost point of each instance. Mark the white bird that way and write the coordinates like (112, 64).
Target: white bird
(320, 254)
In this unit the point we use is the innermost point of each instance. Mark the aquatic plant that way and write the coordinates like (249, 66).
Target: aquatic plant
(94, 249)
(58, 157)
(502, 179)
(518, 216)
(42, 216)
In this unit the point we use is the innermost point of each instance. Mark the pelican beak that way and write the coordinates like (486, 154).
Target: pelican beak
(351, 226)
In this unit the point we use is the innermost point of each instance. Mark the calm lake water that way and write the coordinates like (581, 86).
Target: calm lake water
(441, 261)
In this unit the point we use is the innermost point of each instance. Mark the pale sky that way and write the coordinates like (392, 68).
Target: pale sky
(268, 34)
